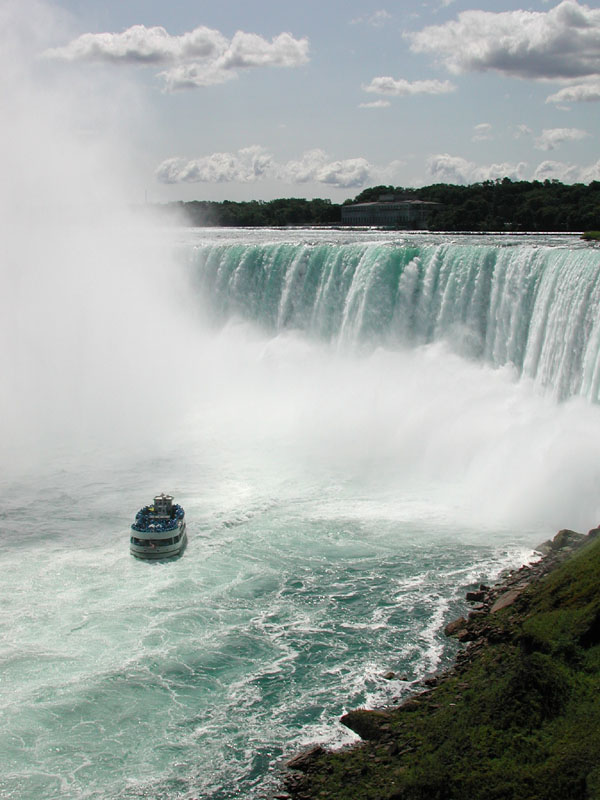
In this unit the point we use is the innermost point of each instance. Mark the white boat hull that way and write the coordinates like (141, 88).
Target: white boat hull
(154, 545)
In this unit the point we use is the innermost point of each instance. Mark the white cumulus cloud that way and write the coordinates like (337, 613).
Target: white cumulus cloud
(254, 163)
(198, 58)
(562, 43)
(551, 138)
(445, 168)
(315, 165)
(587, 92)
(399, 87)
(247, 165)
(557, 170)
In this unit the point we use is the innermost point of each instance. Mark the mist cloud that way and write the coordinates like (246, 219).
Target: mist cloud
(562, 43)
(198, 58)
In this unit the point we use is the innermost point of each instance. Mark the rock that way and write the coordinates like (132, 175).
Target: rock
(566, 538)
(476, 613)
(506, 599)
(389, 676)
(369, 725)
(306, 760)
(452, 628)
(475, 597)
(410, 705)
(544, 548)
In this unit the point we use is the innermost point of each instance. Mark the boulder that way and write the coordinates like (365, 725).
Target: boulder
(566, 538)
(452, 628)
(369, 725)
(306, 760)
(506, 599)
(475, 597)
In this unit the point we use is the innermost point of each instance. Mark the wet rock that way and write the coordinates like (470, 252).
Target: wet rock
(389, 676)
(452, 628)
(505, 600)
(475, 597)
(369, 725)
(306, 760)
(567, 538)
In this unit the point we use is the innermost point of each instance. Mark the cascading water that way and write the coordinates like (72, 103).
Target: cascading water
(534, 307)
(372, 427)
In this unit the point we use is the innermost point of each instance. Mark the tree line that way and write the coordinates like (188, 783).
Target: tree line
(500, 205)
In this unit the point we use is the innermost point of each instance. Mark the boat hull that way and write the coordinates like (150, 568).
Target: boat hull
(153, 545)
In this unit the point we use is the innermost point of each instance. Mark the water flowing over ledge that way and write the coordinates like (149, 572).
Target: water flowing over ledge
(533, 307)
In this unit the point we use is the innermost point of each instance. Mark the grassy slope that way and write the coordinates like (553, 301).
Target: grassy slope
(520, 719)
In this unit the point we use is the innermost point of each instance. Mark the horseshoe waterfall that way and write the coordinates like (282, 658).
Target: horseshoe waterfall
(360, 427)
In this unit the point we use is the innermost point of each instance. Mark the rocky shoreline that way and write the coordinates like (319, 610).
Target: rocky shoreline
(481, 627)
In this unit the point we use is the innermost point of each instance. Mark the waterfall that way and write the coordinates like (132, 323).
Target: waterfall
(533, 307)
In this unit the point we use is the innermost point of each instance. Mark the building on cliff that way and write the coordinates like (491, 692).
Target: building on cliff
(389, 211)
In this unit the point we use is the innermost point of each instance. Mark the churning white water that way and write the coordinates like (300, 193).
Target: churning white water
(344, 481)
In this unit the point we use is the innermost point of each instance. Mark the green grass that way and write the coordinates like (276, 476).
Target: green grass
(521, 722)
(591, 236)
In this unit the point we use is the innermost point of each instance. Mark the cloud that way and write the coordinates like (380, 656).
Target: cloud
(482, 132)
(403, 88)
(556, 170)
(376, 104)
(254, 163)
(314, 165)
(522, 130)
(551, 138)
(247, 165)
(445, 168)
(377, 20)
(139, 44)
(576, 93)
(562, 43)
(201, 57)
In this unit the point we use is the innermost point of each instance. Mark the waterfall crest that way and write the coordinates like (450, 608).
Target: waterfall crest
(536, 308)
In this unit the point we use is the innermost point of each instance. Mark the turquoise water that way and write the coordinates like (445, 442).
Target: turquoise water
(340, 500)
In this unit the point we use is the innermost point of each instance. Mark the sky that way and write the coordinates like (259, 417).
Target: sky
(256, 100)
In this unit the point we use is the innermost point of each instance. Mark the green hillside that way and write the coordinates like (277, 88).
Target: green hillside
(517, 719)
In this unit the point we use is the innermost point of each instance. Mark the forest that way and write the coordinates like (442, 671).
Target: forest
(500, 205)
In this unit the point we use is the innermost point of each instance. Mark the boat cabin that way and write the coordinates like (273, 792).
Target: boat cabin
(163, 506)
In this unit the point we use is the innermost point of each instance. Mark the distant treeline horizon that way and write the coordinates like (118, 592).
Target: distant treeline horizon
(500, 205)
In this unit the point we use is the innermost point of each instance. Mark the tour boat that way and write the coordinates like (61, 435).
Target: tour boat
(159, 530)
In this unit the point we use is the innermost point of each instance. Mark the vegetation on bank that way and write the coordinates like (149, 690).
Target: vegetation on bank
(591, 236)
(520, 720)
(500, 205)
